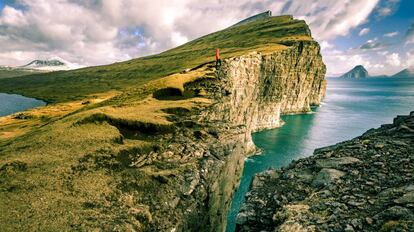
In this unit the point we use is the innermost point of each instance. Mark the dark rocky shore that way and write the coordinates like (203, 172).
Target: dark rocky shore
(364, 184)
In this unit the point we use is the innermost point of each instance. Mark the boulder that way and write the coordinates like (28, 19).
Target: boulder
(326, 176)
(336, 162)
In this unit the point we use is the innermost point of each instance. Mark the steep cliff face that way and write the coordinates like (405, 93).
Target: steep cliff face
(259, 88)
(250, 93)
(166, 154)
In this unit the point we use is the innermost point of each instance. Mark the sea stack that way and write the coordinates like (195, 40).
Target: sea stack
(358, 72)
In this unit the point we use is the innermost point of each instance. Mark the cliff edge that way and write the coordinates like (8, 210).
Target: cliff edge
(364, 184)
(164, 153)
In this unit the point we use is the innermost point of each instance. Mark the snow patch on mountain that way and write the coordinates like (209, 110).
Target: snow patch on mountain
(52, 64)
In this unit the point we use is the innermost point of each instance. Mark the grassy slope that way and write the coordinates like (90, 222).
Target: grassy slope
(8, 73)
(72, 85)
(73, 171)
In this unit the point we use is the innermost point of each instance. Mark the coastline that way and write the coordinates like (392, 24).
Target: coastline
(349, 175)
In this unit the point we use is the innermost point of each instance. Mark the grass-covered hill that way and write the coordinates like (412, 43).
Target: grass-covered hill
(91, 160)
(267, 34)
(6, 72)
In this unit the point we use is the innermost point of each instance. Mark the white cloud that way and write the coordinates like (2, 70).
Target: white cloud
(339, 62)
(409, 58)
(178, 39)
(391, 34)
(385, 11)
(364, 31)
(325, 45)
(12, 17)
(393, 59)
(383, 53)
(329, 19)
(102, 31)
(373, 44)
(387, 8)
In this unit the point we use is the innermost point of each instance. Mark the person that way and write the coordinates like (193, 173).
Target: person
(218, 60)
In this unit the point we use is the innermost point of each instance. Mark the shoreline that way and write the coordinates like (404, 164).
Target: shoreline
(349, 175)
(39, 103)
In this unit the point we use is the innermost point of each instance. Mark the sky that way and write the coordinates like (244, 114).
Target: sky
(378, 34)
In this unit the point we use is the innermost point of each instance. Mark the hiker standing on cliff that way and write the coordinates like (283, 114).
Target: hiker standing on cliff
(218, 60)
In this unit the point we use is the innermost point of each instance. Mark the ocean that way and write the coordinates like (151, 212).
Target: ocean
(350, 108)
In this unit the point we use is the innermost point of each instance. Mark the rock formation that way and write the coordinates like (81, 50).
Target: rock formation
(177, 169)
(358, 72)
(249, 94)
(364, 184)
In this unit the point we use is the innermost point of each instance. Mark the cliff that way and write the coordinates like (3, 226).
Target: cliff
(364, 184)
(250, 94)
(165, 155)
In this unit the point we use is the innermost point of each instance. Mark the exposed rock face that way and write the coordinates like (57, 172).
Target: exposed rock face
(365, 184)
(358, 72)
(181, 175)
(249, 94)
(259, 88)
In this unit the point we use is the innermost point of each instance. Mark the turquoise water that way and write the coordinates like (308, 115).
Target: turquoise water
(349, 109)
(12, 103)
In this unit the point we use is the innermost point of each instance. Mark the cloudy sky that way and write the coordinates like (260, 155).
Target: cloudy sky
(378, 34)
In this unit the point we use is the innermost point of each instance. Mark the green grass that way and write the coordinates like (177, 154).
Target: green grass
(73, 85)
(11, 72)
(99, 166)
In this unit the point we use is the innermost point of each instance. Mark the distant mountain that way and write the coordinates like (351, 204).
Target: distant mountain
(44, 63)
(358, 72)
(55, 64)
(408, 72)
(37, 66)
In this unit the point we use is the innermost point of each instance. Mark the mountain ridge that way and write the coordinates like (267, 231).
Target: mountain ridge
(52, 64)
(405, 73)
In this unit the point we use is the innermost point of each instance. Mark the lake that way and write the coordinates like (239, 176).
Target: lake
(12, 103)
(350, 108)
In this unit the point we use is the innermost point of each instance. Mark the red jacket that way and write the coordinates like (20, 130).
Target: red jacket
(217, 54)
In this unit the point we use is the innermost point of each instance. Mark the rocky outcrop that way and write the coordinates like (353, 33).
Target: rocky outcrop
(365, 184)
(249, 94)
(165, 154)
(256, 89)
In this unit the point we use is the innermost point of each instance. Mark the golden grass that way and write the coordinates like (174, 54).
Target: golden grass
(150, 110)
(78, 176)
(11, 126)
